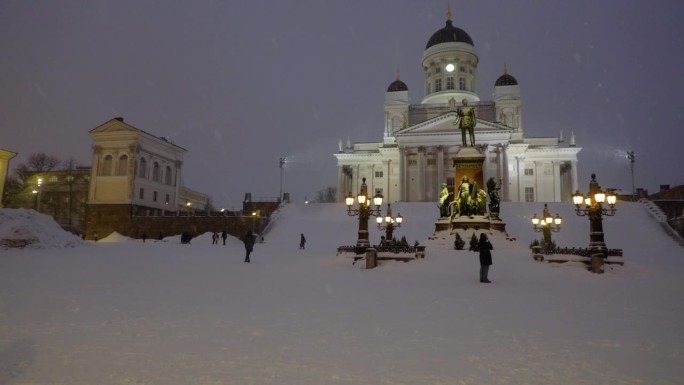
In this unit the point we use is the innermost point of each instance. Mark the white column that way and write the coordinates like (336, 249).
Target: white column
(573, 172)
(538, 181)
(341, 186)
(556, 181)
(520, 162)
(403, 172)
(440, 168)
(421, 174)
(505, 177)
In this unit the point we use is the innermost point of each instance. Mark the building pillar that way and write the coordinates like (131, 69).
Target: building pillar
(573, 173)
(386, 169)
(538, 180)
(505, 178)
(520, 164)
(556, 181)
(403, 173)
(440, 168)
(341, 186)
(421, 174)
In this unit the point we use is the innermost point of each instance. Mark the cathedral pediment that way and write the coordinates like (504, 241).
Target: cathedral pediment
(444, 124)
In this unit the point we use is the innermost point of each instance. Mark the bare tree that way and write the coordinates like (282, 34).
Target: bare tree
(36, 163)
(70, 164)
(328, 194)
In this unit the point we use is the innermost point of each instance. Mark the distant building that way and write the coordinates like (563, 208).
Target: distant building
(5, 156)
(134, 173)
(61, 194)
(420, 141)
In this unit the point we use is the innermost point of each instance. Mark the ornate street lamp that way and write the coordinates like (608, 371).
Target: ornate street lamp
(546, 224)
(390, 223)
(593, 208)
(364, 211)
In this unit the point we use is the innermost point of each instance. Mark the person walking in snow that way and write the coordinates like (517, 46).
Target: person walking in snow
(248, 240)
(302, 242)
(485, 257)
(224, 236)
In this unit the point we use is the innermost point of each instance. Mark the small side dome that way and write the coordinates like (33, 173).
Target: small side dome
(397, 85)
(506, 79)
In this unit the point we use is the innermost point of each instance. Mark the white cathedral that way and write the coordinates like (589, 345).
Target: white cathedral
(420, 141)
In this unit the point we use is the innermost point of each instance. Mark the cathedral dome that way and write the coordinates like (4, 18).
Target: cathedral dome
(506, 80)
(449, 34)
(396, 86)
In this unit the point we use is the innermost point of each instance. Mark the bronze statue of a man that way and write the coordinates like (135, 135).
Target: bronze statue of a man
(465, 121)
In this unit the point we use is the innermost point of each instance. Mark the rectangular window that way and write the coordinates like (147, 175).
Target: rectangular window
(154, 196)
(142, 193)
(413, 162)
(438, 70)
(461, 68)
(529, 194)
(438, 85)
(450, 83)
(431, 161)
(529, 171)
(461, 83)
(167, 199)
(378, 174)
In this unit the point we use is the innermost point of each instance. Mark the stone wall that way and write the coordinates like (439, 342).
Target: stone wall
(102, 220)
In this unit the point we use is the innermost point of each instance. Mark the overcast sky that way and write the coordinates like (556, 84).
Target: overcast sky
(242, 84)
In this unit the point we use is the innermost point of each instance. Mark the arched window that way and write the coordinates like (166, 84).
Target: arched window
(142, 171)
(107, 166)
(168, 177)
(155, 172)
(123, 165)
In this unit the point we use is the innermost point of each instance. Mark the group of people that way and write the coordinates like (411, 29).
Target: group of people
(250, 239)
(484, 245)
(215, 238)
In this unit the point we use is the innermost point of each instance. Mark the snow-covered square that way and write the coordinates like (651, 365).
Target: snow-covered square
(121, 311)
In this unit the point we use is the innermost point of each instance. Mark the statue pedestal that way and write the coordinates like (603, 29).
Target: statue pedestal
(474, 222)
(468, 162)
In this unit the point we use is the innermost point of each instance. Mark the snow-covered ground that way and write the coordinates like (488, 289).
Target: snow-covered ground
(128, 312)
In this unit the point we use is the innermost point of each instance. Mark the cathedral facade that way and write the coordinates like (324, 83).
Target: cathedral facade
(420, 142)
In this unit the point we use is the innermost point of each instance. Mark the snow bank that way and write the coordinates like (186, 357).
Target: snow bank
(22, 228)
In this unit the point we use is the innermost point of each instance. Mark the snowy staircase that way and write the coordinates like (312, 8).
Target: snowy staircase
(661, 218)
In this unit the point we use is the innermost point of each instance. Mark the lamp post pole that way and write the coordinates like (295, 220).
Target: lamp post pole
(364, 212)
(593, 208)
(630, 156)
(281, 163)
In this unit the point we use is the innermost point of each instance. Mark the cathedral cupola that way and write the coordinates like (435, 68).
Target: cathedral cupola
(450, 65)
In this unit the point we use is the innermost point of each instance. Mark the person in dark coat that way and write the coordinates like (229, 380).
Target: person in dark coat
(302, 242)
(485, 257)
(224, 235)
(248, 240)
